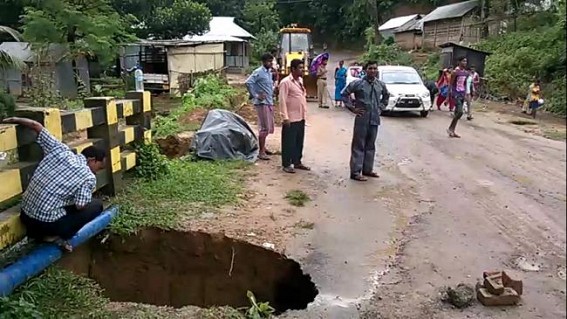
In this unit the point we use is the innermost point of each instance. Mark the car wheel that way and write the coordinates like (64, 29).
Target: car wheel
(424, 113)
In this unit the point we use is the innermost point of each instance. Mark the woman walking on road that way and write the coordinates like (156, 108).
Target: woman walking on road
(340, 82)
(443, 83)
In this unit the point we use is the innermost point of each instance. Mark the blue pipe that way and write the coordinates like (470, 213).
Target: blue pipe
(43, 256)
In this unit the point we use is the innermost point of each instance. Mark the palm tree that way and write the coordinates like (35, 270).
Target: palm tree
(6, 60)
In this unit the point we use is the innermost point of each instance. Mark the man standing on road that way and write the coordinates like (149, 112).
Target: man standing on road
(260, 85)
(293, 107)
(370, 96)
(322, 84)
(58, 201)
(457, 92)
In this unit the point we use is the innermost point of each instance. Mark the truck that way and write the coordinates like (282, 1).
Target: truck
(296, 43)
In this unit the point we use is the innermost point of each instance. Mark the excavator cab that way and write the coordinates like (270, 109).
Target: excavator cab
(296, 43)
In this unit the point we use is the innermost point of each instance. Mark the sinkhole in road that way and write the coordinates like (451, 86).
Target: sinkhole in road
(171, 268)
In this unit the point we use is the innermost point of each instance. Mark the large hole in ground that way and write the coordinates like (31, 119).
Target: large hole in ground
(191, 268)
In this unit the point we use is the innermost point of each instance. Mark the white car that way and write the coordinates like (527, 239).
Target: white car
(407, 91)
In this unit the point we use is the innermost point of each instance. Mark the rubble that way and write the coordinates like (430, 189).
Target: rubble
(461, 296)
(499, 289)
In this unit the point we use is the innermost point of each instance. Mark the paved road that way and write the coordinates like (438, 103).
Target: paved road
(443, 211)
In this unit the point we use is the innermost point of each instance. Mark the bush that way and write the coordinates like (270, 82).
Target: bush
(387, 55)
(210, 91)
(18, 309)
(431, 67)
(519, 56)
(151, 165)
(7, 105)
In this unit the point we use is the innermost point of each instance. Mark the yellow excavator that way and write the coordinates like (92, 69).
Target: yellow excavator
(296, 43)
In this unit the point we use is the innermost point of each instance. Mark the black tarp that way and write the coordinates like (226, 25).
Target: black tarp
(225, 135)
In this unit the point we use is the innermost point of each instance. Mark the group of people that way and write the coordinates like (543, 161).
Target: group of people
(370, 97)
(456, 88)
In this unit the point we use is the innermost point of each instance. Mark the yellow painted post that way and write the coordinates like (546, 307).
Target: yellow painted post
(108, 131)
(143, 118)
(50, 118)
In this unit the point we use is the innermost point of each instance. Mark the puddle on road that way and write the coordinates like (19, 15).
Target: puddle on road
(527, 264)
(170, 268)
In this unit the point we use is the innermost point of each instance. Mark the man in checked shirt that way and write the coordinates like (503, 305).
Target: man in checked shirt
(58, 200)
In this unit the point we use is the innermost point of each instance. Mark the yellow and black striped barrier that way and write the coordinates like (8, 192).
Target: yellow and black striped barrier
(110, 123)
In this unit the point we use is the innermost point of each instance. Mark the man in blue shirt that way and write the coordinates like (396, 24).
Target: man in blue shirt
(58, 200)
(260, 85)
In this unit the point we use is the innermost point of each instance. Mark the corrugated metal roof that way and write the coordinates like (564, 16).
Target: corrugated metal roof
(19, 50)
(412, 26)
(174, 43)
(227, 26)
(222, 29)
(397, 22)
(453, 44)
(211, 38)
(456, 10)
(23, 51)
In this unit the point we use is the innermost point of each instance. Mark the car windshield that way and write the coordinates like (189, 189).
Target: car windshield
(299, 42)
(401, 77)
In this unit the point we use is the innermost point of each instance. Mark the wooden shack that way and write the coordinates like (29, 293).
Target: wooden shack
(410, 36)
(450, 53)
(456, 23)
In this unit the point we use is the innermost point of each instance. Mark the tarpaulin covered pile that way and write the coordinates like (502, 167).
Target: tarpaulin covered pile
(225, 136)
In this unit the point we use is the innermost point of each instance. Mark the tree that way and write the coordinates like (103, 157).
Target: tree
(166, 19)
(183, 17)
(88, 28)
(260, 16)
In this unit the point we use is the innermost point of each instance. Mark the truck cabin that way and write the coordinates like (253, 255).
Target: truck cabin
(294, 43)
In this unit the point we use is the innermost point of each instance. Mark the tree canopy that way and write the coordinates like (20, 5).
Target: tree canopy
(87, 27)
(166, 19)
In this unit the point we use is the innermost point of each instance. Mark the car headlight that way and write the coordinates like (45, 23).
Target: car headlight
(425, 95)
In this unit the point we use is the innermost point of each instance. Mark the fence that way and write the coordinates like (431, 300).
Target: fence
(109, 123)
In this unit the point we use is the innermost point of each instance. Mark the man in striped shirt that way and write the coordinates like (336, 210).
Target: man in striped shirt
(58, 200)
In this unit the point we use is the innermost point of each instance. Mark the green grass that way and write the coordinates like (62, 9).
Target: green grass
(554, 134)
(58, 293)
(190, 188)
(55, 294)
(297, 198)
(210, 91)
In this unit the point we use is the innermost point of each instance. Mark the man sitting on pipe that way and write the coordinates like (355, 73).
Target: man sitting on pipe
(58, 200)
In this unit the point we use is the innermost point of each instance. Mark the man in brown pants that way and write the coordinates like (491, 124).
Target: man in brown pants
(322, 84)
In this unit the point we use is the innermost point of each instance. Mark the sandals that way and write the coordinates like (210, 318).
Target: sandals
(453, 134)
(289, 170)
(302, 167)
(63, 244)
(359, 178)
(371, 174)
